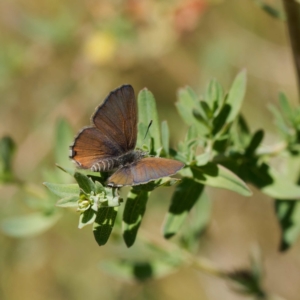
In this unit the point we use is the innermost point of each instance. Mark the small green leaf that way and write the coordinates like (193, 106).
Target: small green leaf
(132, 270)
(271, 10)
(199, 117)
(240, 134)
(99, 188)
(165, 136)
(70, 171)
(133, 213)
(141, 141)
(85, 183)
(70, 201)
(29, 225)
(214, 94)
(188, 147)
(281, 187)
(7, 149)
(202, 214)
(218, 176)
(287, 110)
(236, 95)
(112, 197)
(185, 196)
(87, 217)
(203, 159)
(254, 143)
(187, 102)
(63, 190)
(220, 120)
(243, 125)
(64, 138)
(291, 234)
(279, 120)
(198, 220)
(148, 112)
(206, 109)
(288, 213)
(104, 224)
(168, 181)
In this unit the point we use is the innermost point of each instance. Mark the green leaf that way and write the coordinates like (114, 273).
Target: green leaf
(104, 224)
(287, 110)
(187, 102)
(236, 95)
(206, 109)
(99, 188)
(240, 134)
(279, 120)
(244, 128)
(291, 234)
(64, 138)
(214, 94)
(203, 159)
(112, 197)
(288, 214)
(141, 141)
(128, 270)
(220, 120)
(201, 216)
(254, 143)
(199, 117)
(29, 225)
(63, 190)
(133, 213)
(281, 187)
(185, 196)
(84, 182)
(198, 220)
(70, 201)
(87, 217)
(168, 181)
(69, 171)
(271, 10)
(147, 112)
(218, 176)
(7, 149)
(188, 147)
(165, 134)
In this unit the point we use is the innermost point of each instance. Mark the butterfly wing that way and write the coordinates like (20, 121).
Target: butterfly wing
(115, 130)
(144, 170)
(117, 117)
(91, 146)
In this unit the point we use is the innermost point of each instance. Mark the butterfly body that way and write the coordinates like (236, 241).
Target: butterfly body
(110, 142)
(110, 164)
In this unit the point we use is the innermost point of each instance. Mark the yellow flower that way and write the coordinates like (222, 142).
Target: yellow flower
(100, 48)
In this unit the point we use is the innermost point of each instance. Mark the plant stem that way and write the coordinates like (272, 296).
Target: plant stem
(199, 263)
(292, 10)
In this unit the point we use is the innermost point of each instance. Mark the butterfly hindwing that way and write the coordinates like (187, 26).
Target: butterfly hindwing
(144, 170)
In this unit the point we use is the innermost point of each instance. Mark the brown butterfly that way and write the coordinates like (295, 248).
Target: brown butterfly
(109, 144)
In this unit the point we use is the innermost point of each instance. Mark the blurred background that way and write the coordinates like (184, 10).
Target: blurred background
(59, 59)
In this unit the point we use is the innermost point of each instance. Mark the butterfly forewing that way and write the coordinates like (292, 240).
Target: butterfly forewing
(90, 146)
(117, 117)
(145, 170)
(114, 132)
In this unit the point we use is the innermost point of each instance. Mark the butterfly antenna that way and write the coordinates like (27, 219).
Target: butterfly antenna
(148, 128)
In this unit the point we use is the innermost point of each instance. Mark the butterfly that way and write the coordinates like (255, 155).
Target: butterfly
(109, 144)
